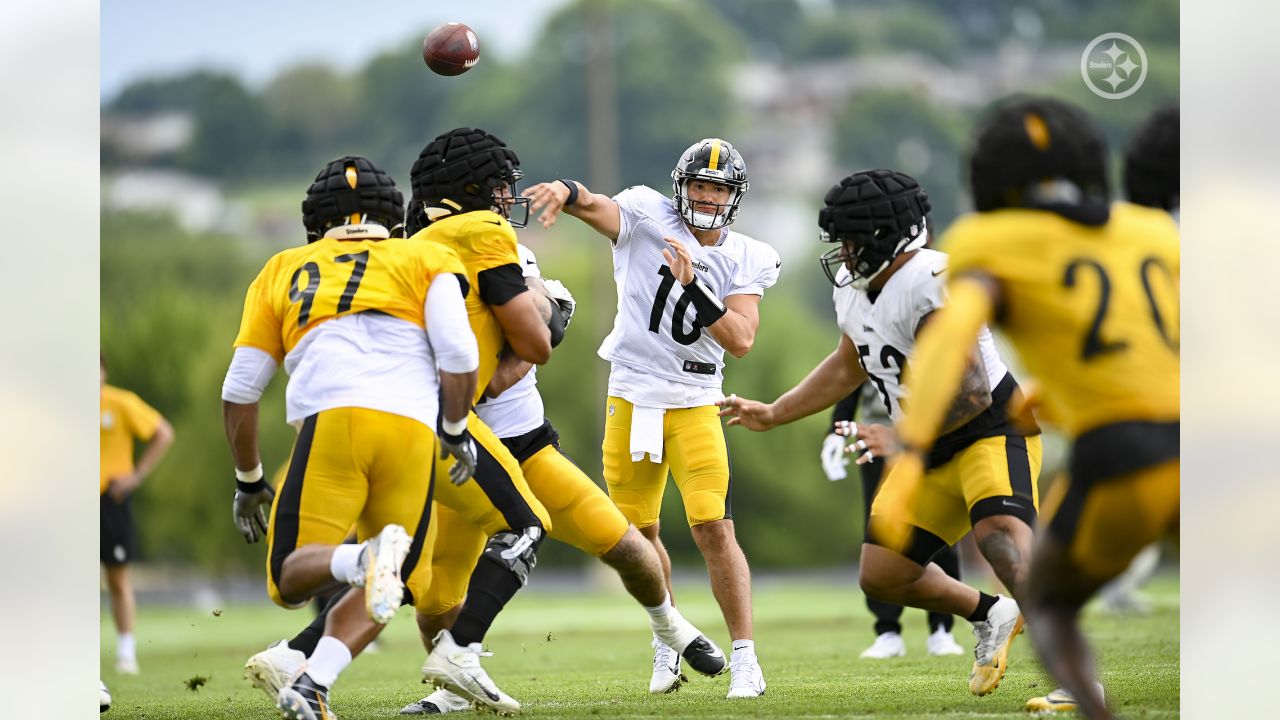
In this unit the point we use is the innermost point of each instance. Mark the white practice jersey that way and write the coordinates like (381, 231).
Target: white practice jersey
(519, 409)
(884, 331)
(655, 338)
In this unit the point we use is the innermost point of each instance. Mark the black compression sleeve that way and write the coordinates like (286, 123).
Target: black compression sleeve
(556, 324)
(846, 409)
(498, 285)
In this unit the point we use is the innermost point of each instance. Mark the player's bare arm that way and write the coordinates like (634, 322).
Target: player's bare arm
(159, 444)
(524, 328)
(572, 197)
(736, 329)
(240, 420)
(974, 393)
(511, 369)
(834, 378)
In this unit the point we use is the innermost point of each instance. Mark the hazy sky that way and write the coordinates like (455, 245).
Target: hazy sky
(257, 38)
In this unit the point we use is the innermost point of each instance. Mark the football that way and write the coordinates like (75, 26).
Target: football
(451, 49)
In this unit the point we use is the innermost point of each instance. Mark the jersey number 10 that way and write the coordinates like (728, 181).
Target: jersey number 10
(677, 316)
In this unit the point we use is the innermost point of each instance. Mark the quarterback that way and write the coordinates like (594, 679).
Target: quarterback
(689, 289)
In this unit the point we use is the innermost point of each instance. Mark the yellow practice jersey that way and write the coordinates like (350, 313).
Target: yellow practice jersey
(302, 287)
(485, 241)
(1093, 311)
(123, 418)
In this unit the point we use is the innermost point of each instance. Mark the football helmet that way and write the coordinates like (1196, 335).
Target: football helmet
(465, 170)
(1152, 162)
(872, 217)
(352, 198)
(1043, 154)
(712, 160)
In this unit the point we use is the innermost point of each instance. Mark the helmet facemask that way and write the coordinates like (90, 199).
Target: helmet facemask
(866, 256)
(873, 216)
(713, 161)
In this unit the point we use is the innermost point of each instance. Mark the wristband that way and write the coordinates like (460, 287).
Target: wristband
(453, 430)
(249, 476)
(573, 191)
(252, 487)
(709, 307)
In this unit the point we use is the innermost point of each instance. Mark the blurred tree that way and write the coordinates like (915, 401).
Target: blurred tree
(904, 130)
(229, 139)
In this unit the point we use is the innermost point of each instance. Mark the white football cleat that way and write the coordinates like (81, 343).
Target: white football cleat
(941, 643)
(666, 669)
(274, 668)
(437, 703)
(458, 669)
(104, 697)
(887, 645)
(745, 677)
(381, 560)
(995, 635)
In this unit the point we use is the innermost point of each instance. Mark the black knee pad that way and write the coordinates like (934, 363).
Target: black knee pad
(516, 551)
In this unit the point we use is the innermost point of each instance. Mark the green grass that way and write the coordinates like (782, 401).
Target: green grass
(587, 655)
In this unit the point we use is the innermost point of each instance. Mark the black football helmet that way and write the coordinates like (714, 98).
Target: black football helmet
(872, 216)
(712, 160)
(1151, 164)
(352, 198)
(465, 170)
(1043, 154)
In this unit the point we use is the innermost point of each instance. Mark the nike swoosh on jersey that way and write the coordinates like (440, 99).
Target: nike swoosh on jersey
(936, 273)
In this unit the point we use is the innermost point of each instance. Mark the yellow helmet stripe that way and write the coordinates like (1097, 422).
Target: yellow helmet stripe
(714, 163)
(352, 177)
(1037, 130)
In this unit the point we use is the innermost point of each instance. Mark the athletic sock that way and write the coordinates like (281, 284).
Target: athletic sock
(345, 563)
(747, 646)
(660, 613)
(985, 602)
(491, 586)
(126, 648)
(330, 658)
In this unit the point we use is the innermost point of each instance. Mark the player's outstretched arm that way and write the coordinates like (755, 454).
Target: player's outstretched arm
(940, 357)
(834, 378)
(572, 197)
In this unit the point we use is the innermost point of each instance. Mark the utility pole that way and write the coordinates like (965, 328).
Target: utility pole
(602, 167)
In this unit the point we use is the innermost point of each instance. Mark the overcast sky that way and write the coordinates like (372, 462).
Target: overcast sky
(257, 38)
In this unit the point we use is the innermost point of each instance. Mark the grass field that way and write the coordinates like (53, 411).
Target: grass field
(582, 655)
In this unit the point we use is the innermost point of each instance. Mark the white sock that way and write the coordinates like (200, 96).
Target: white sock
(126, 647)
(345, 564)
(330, 658)
(660, 613)
(747, 646)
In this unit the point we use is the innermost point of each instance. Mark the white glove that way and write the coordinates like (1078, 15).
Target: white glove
(833, 457)
(558, 292)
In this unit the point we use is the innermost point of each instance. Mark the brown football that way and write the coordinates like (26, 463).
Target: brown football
(451, 49)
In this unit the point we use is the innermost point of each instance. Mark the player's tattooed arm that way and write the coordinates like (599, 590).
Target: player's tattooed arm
(540, 299)
(973, 397)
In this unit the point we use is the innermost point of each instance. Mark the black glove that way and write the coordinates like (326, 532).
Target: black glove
(250, 519)
(463, 448)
